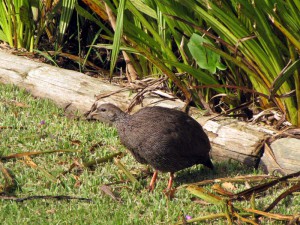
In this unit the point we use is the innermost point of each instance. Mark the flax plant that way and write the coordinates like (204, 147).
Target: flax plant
(275, 26)
(23, 22)
(257, 40)
(17, 23)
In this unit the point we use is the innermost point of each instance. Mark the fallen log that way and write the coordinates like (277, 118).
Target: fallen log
(230, 138)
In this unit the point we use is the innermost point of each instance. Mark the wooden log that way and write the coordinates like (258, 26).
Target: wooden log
(233, 139)
(230, 138)
(66, 87)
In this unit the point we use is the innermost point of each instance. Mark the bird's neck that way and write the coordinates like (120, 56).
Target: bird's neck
(122, 118)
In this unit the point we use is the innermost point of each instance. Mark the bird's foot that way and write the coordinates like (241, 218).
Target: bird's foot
(151, 187)
(169, 192)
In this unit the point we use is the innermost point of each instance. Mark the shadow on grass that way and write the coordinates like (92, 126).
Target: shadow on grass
(198, 173)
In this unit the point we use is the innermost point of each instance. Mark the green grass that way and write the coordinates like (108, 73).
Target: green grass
(22, 131)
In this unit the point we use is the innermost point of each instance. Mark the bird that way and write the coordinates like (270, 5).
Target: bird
(167, 139)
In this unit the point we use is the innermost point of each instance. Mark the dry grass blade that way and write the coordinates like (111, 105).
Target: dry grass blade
(10, 182)
(75, 165)
(102, 160)
(139, 97)
(233, 214)
(244, 220)
(203, 218)
(205, 195)
(59, 197)
(263, 187)
(125, 170)
(222, 191)
(28, 161)
(23, 154)
(295, 220)
(238, 179)
(105, 95)
(10, 127)
(270, 215)
(94, 146)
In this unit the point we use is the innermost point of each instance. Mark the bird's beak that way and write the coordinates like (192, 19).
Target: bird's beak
(91, 115)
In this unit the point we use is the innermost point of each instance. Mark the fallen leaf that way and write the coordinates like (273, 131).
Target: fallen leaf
(220, 190)
(107, 190)
(75, 142)
(198, 201)
(228, 186)
(94, 146)
(247, 185)
(20, 104)
(50, 211)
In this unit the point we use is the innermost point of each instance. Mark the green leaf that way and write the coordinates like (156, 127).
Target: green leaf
(66, 13)
(118, 35)
(25, 15)
(3, 36)
(205, 58)
(197, 73)
(205, 195)
(84, 13)
(284, 76)
(144, 8)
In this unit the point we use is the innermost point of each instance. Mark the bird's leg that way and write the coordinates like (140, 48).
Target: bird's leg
(169, 191)
(169, 187)
(153, 180)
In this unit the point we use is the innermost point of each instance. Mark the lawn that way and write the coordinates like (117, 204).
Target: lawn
(28, 124)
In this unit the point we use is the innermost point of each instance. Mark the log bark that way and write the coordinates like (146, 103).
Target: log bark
(235, 140)
(230, 138)
(66, 87)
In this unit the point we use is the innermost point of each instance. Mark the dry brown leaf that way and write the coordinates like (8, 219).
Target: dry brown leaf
(77, 184)
(20, 104)
(75, 142)
(94, 146)
(28, 161)
(10, 181)
(222, 191)
(228, 186)
(51, 211)
(247, 185)
(107, 190)
(76, 166)
(198, 201)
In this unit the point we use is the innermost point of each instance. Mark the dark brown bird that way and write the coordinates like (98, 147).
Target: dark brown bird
(167, 139)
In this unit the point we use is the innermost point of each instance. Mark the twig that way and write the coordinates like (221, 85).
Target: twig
(22, 154)
(58, 197)
(270, 215)
(294, 188)
(263, 187)
(240, 179)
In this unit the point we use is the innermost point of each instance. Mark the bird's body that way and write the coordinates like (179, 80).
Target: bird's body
(167, 139)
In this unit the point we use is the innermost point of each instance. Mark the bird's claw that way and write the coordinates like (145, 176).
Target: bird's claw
(169, 192)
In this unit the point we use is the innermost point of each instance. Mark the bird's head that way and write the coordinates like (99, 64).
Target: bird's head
(107, 113)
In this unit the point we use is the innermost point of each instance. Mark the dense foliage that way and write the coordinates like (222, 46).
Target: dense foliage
(246, 50)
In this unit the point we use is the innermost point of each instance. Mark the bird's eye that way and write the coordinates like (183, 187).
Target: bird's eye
(102, 109)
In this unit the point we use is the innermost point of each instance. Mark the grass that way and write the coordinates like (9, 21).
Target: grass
(29, 124)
